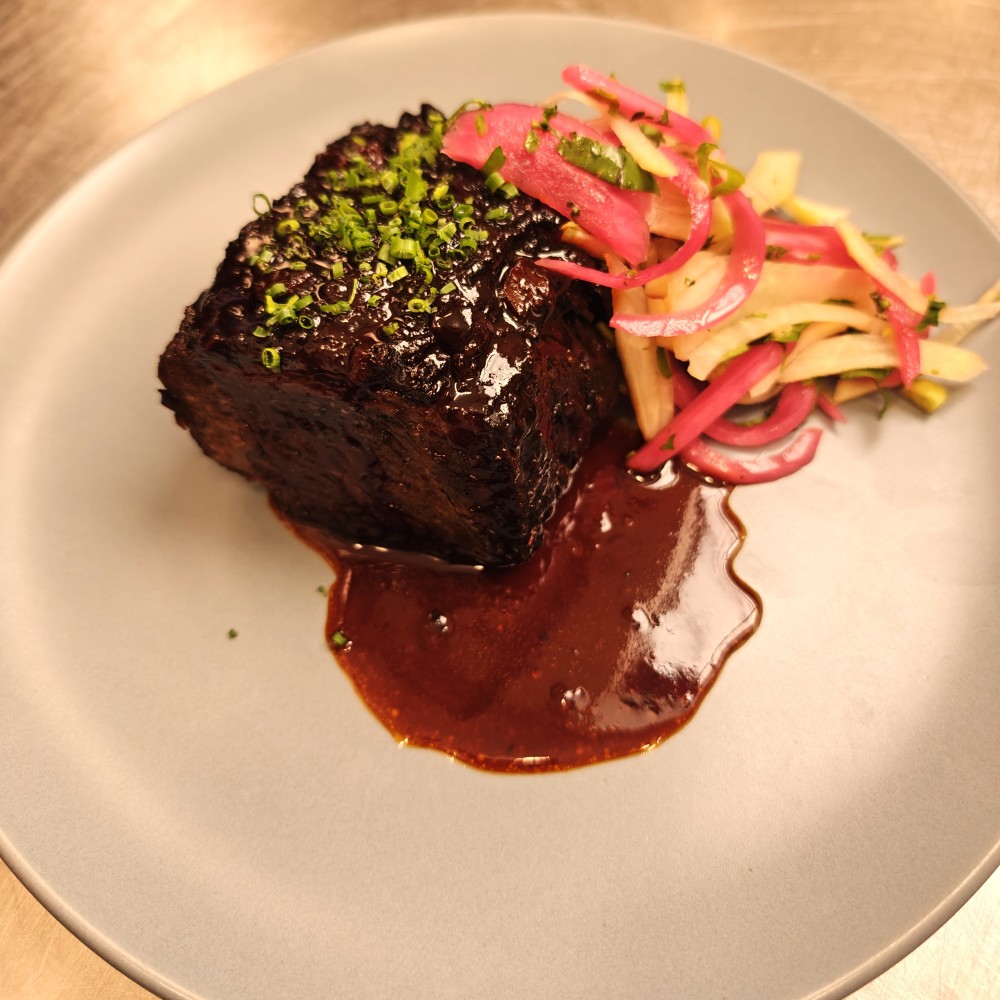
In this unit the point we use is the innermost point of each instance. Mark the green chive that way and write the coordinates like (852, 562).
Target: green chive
(674, 86)
(404, 249)
(652, 133)
(494, 161)
(932, 316)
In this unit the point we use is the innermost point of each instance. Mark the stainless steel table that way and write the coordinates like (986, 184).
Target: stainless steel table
(78, 78)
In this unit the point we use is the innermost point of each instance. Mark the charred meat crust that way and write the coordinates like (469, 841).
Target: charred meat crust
(450, 432)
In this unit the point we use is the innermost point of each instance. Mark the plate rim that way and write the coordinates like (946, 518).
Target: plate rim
(35, 230)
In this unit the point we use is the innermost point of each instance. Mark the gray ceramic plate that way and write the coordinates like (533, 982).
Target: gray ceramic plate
(224, 819)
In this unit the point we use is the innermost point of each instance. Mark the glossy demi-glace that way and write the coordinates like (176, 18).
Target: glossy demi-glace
(603, 644)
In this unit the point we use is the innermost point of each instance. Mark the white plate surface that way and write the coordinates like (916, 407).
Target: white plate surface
(224, 819)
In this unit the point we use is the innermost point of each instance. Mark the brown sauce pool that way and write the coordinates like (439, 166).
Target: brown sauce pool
(602, 645)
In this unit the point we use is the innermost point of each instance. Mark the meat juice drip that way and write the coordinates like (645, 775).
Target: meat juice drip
(601, 645)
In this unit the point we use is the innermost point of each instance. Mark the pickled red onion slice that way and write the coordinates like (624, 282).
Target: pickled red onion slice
(611, 214)
(825, 245)
(711, 403)
(743, 270)
(760, 468)
(799, 244)
(905, 323)
(796, 401)
(631, 102)
(830, 408)
(696, 194)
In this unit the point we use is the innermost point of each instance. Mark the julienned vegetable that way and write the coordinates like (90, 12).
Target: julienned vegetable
(727, 289)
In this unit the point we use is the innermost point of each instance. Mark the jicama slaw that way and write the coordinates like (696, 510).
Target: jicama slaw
(727, 289)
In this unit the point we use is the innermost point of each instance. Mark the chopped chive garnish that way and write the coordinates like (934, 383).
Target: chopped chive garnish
(653, 134)
(494, 161)
(261, 204)
(932, 316)
(383, 220)
(271, 358)
(405, 249)
(336, 308)
(609, 163)
(722, 178)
